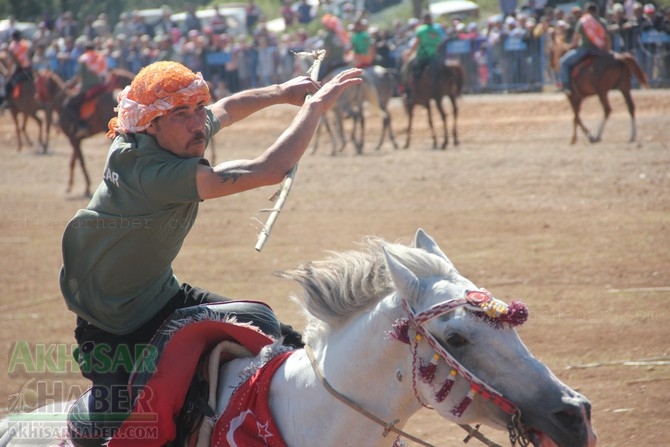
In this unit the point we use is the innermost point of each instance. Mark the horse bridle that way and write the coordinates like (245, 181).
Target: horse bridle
(496, 312)
(480, 302)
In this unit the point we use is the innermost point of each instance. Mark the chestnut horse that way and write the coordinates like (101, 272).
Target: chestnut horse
(597, 75)
(23, 102)
(439, 79)
(96, 113)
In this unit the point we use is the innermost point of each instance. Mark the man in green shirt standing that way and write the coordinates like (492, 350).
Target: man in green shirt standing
(117, 272)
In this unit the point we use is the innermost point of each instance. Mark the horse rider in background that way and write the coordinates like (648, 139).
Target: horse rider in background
(335, 43)
(19, 58)
(424, 50)
(91, 77)
(362, 44)
(590, 38)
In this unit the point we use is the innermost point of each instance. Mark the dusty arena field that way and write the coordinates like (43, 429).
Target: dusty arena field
(580, 233)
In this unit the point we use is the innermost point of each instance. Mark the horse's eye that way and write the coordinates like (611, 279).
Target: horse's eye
(456, 340)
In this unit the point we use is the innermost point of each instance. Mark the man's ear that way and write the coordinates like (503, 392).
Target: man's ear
(154, 127)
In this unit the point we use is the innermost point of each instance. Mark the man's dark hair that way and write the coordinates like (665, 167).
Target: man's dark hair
(591, 7)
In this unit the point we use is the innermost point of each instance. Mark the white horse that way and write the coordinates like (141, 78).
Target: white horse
(376, 90)
(394, 329)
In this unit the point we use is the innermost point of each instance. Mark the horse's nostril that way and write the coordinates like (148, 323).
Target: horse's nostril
(570, 419)
(587, 410)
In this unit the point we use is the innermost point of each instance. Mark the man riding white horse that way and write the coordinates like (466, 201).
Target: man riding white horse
(117, 274)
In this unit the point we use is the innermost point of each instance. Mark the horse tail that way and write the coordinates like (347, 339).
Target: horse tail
(630, 62)
(460, 81)
(458, 74)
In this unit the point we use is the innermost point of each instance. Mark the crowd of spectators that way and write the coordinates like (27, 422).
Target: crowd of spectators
(256, 56)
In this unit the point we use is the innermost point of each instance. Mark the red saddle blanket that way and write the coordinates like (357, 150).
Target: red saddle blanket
(163, 390)
(247, 420)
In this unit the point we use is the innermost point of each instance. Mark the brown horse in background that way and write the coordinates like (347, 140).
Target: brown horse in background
(23, 102)
(597, 75)
(96, 113)
(440, 78)
(119, 78)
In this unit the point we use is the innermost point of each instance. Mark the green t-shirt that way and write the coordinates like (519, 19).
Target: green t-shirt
(118, 251)
(361, 42)
(429, 40)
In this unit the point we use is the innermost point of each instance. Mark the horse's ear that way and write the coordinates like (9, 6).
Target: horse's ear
(408, 285)
(423, 241)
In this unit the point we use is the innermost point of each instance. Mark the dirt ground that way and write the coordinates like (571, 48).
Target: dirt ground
(580, 233)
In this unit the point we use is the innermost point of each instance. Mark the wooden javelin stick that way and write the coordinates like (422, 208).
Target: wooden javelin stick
(281, 195)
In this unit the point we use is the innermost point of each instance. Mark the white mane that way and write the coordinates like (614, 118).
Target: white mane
(345, 283)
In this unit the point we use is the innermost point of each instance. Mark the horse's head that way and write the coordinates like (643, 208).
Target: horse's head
(468, 361)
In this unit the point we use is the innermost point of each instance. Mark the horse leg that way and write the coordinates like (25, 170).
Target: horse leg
(332, 132)
(78, 155)
(631, 111)
(445, 130)
(49, 120)
(24, 123)
(40, 138)
(389, 129)
(15, 117)
(73, 161)
(430, 123)
(602, 96)
(454, 112)
(339, 130)
(358, 140)
(410, 113)
(576, 121)
(385, 120)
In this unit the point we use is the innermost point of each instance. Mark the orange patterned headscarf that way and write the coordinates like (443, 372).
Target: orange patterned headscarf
(157, 89)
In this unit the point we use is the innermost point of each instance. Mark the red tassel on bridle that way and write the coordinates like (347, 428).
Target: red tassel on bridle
(446, 388)
(400, 331)
(427, 371)
(463, 405)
